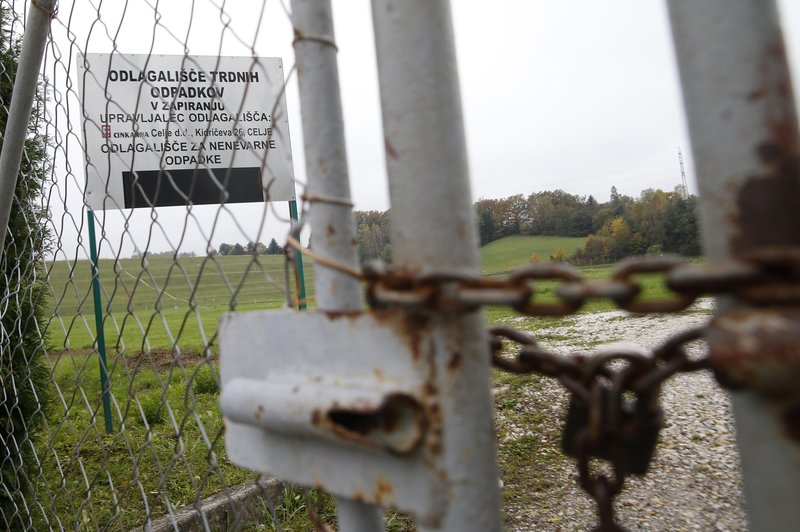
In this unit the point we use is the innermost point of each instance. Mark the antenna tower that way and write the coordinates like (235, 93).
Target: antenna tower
(683, 175)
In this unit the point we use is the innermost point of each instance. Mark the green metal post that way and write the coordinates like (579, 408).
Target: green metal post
(98, 320)
(298, 257)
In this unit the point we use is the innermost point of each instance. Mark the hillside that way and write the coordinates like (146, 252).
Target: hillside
(515, 251)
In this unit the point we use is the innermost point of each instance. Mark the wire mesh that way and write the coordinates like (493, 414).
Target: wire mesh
(113, 424)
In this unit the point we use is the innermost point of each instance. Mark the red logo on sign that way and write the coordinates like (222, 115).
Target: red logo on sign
(105, 130)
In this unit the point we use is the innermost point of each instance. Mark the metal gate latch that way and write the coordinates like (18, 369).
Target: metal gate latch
(341, 401)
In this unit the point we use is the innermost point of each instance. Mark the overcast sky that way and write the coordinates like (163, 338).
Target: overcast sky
(576, 95)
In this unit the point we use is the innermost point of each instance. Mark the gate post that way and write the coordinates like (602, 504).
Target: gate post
(328, 188)
(19, 113)
(433, 227)
(743, 126)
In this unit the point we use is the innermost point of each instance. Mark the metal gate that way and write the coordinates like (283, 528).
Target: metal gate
(390, 407)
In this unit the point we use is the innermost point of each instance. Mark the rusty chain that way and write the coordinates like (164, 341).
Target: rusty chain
(614, 413)
(766, 276)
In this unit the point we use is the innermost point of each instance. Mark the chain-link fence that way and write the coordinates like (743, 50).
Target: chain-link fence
(156, 193)
(110, 295)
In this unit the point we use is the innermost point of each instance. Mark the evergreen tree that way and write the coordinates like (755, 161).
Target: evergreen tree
(23, 374)
(274, 248)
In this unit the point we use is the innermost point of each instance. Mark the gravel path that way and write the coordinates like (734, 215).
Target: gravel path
(694, 482)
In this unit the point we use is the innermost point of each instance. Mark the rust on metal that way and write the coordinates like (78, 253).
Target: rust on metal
(757, 348)
(434, 412)
(778, 180)
(411, 326)
(756, 202)
(398, 425)
(384, 491)
(343, 314)
(390, 151)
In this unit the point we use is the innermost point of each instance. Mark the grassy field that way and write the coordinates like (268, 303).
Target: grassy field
(162, 302)
(167, 445)
(514, 251)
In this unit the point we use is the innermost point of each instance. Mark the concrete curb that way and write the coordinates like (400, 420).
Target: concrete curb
(227, 510)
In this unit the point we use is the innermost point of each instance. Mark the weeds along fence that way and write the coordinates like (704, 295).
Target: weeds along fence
(146, 162)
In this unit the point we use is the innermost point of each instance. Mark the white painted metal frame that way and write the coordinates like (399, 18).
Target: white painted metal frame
(744, 133)
(326, 166)
(433, 227)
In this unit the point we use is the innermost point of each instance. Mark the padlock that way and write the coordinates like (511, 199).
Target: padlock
(638, 435)
(575, 425)
(625, 433)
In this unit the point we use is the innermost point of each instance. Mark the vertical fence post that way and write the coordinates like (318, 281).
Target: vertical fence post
(19, 113)
(328, 190)
(743, 126)
(433, 228)
(300, 276)
(98, 321)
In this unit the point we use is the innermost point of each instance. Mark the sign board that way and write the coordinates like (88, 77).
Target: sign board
(163, 130)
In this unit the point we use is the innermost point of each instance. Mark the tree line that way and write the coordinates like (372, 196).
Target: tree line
(655, 222)
(250, 248)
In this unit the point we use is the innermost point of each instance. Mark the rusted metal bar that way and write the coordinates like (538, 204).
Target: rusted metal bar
(33, 44)
(743, 127)
(301, 406)
(331, 222)
(432, 227)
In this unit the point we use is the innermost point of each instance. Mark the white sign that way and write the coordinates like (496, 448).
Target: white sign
(165, 130)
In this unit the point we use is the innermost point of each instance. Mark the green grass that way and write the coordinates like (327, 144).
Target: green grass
(166, 448)
(514, 251)
(162, 302)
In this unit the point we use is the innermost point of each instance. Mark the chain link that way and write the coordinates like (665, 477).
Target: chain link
(766, 277)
